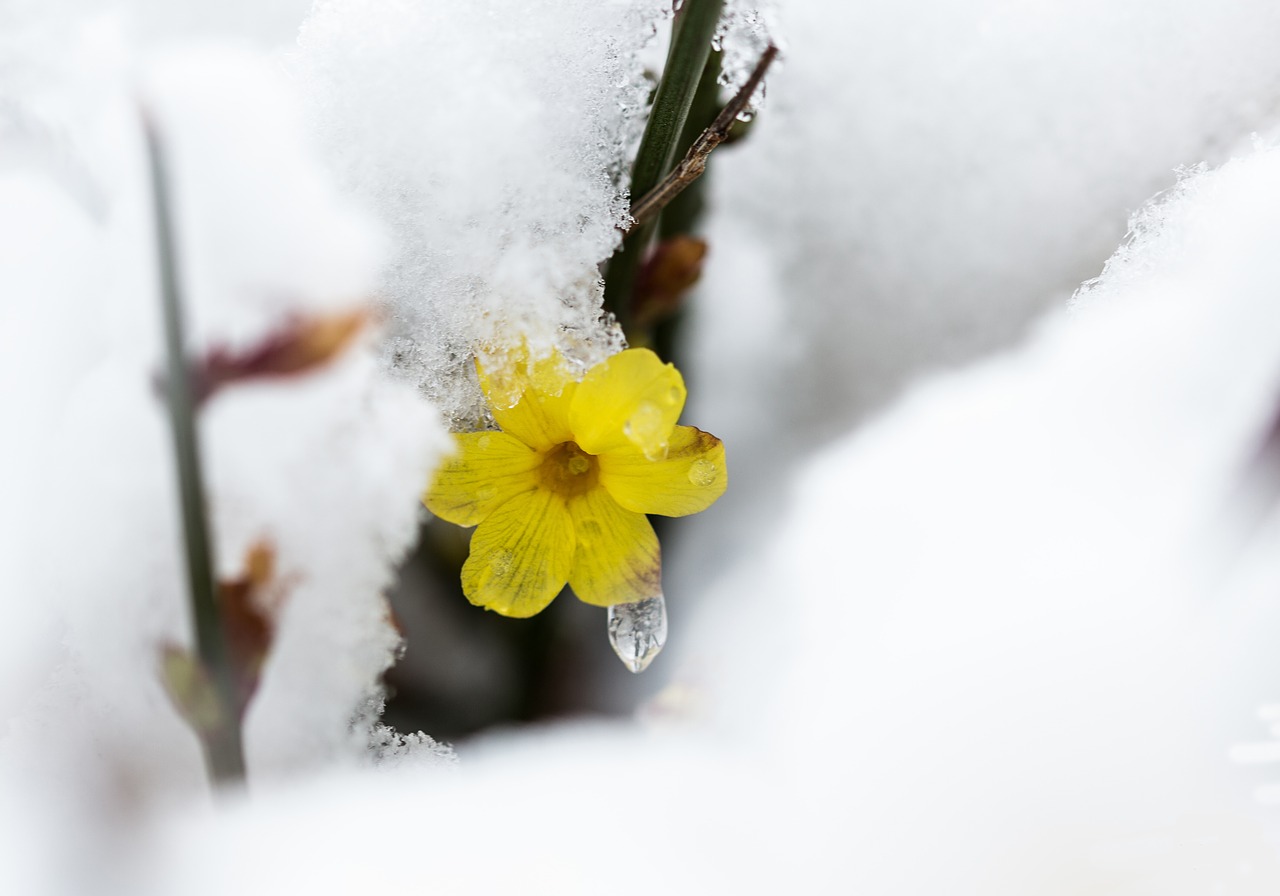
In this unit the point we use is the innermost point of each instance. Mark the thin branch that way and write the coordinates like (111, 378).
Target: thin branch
(223, 742)
(692, 166)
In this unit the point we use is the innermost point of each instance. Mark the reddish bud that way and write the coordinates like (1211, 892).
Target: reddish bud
(670, 271)
(300, 346)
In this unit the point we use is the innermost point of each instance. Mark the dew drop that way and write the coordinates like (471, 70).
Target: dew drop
(638, 631)
(484, 442)
(500, 563)
(647, 430)
(485, 493)
(702, 472)
(673, 396)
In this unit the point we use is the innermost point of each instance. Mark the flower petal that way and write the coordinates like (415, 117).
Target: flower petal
(531, 400)
(617, 560)
(630, 400)
(520, 555)
(689, 480)
(489, 468)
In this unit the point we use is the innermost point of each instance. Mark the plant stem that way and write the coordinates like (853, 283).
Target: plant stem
(694, 163)
(223, 746)
(681, 216)
(684, 212)
(691, 35)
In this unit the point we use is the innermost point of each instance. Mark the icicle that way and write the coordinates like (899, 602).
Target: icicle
(638, 630)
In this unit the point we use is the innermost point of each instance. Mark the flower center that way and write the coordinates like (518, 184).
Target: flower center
(568, 470)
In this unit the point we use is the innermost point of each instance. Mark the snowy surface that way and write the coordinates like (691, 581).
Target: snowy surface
(1001, 645)
(490, 138)
(1001, 631)
(324, 467)
(926, 179)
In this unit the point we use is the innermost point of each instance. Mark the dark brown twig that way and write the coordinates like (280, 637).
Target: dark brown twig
(694, 163)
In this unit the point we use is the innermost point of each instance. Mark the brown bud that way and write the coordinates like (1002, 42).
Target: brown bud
(670, 271)
(248, 619)
(299, 346)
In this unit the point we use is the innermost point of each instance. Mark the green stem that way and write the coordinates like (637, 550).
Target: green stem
(691, 35)
(684, 212)
(223, 747)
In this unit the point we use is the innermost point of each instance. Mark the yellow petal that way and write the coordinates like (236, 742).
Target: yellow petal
(688, 480)
(617, 559)
(531, 400)
(631, 399)
(489, 468)
(520, 555)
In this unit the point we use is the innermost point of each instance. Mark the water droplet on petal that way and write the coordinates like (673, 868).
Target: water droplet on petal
(638, 631)
(485, 493)
(500, 563)
(484, 442)
(674, 396)
(702, 472)
(647, 429)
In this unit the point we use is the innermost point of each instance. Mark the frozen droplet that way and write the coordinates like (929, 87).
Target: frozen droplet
(702, 472)
(648, 428)
(744, 32)
(638, 630)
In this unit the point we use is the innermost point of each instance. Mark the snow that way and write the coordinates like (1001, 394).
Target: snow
(745, 31)
(928, 177)
(325, 467)
(999, 645)
(500, 184)
(1018, 632)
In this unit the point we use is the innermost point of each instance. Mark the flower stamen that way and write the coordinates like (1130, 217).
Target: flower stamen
(569, 471)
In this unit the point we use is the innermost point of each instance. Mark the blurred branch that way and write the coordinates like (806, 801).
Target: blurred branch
(221, 738)
(694, 163)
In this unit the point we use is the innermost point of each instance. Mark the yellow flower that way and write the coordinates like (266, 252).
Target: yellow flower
(560, 495)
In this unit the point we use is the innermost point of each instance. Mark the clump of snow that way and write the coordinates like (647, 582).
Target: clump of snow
(491, 139)
(393, 750)
(925, 179)
(929, 176)
(43, 27)
(326, 468)
(269, 24)
(1016, 635)
(745, 31)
